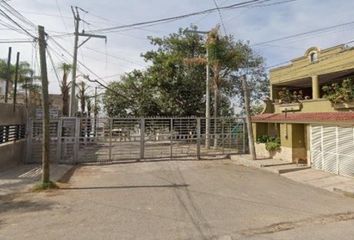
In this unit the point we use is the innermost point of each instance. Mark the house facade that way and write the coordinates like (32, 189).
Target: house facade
(311, 111)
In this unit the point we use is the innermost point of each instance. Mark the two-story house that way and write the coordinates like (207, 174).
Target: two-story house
(311, 110)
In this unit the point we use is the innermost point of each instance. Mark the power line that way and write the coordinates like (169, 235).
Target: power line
(304, 33)
(53, 65)
(17, 41)
(116, 57)
(16, 23)
(232, 6)
(220, 15)
(90, 71)
(61, 15)
(16, 14)
(329, 56)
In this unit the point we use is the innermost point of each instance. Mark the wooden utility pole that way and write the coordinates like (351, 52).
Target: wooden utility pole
(8, 77)
(248, 117)
(16, 78)
(73, 79)
(77, 19)
(45, 103)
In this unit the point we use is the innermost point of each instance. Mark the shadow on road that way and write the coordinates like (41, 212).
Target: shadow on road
(19, 203)
(127, 187)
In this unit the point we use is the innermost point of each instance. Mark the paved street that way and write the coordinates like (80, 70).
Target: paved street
(177, 200)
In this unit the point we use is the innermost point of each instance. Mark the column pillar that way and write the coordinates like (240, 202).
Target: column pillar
(315, 88)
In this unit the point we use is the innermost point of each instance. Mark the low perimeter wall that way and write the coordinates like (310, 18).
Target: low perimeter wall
(12, 154)
(12, 142)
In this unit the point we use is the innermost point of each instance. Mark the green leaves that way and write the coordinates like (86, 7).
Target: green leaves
(175, 82)
(339, 93)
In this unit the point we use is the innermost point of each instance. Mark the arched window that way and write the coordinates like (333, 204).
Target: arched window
(313, 57)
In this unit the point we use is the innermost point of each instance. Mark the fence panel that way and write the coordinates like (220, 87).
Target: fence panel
(102, 140)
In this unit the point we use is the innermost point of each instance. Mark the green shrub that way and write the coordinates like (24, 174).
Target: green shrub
(262, 139)
(339, 92)
(271, 143)
(274, 145)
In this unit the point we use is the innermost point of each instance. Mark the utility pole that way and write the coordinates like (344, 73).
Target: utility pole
(16, 78)
(8, 79)
(248, 117)
(77, 19)
(45, 102)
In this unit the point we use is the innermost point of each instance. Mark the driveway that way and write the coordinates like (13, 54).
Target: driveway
(177, 200)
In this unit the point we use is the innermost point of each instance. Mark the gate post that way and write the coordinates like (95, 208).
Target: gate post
(222, 135)
(142, 138)
(77, 140)
(171, 138)
(110, 139)
(244, 136)
(29, 135)
(198, 138)
(59, 139)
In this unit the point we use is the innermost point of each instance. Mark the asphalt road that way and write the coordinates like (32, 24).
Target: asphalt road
(177, 200)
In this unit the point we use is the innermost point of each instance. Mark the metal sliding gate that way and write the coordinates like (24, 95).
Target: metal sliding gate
(85, 140)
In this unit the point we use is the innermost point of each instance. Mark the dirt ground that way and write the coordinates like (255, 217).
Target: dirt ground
(177, 200)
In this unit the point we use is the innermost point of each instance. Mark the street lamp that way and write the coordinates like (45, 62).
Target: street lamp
(207, 94)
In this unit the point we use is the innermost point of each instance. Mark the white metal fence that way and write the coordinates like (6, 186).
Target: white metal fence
(85, 140)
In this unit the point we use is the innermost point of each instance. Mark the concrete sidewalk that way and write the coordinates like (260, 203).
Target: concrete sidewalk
(300, 173)
(22, 177)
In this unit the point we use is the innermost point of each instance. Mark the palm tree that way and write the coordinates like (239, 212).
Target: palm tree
(65, 87)
(82, 96)
(26, 79)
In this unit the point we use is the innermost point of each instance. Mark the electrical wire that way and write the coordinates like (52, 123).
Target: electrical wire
(163, 20)
(90, 71)
(53, 65)
(220, 16)
(16, 23)
(304, 33)
(16, 14)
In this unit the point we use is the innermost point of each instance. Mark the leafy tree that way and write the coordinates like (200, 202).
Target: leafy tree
(174, 83)
(136, 97)
(229, 61)
(169, 87)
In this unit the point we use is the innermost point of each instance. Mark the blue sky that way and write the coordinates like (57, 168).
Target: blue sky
(256, 24)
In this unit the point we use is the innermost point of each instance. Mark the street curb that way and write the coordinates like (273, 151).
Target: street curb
(345, 193)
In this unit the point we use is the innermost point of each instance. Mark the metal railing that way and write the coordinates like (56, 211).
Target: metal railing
(83, 140)
(11, 133)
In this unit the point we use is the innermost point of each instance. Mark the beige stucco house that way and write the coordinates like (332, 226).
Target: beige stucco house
(311, 128)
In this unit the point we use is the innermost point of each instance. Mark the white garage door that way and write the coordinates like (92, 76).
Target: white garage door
(332, 149)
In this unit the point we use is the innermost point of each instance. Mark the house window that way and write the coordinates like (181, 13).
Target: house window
(313, 57)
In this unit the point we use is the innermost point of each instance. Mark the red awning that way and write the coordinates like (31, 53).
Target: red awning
(320, 117)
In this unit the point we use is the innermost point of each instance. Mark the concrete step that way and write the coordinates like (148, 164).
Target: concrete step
(277, 164)
(286, 168)
(272, 165)
(259, 163)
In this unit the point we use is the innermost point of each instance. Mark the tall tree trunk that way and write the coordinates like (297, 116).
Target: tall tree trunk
(248, 118)
(66, 103)
(65, 95)
(216, 103)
